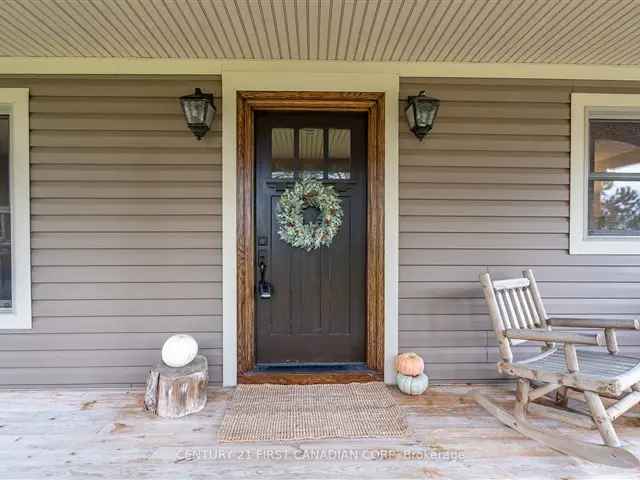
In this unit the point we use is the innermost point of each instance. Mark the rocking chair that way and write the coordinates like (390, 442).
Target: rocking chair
(518, 315)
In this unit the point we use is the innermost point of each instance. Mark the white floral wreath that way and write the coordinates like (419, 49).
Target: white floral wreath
(309, 193)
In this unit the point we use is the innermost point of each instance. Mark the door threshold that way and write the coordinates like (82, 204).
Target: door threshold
(310, 367)
(310, 374)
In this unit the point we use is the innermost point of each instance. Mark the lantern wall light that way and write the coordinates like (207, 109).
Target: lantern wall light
(421, 113)
(199, 111)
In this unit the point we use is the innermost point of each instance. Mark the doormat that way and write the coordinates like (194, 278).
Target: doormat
(311, 412)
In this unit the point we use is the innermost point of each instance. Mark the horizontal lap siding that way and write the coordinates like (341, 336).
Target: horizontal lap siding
(126, 231)
(488, 190)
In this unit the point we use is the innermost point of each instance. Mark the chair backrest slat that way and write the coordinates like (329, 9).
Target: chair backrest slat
(525, 308)
(516, 303)
(503, 311)
(512, 312)
(513, 303)
(534, 310)
(537, 299)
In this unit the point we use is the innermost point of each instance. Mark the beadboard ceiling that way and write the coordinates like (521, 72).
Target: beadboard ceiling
(602, 32)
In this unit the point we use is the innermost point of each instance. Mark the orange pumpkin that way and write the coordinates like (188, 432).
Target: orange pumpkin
(409, 364)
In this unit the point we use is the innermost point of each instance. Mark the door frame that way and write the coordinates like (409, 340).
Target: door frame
(248, 102)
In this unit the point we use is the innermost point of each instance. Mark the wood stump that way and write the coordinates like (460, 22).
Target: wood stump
(176, 392)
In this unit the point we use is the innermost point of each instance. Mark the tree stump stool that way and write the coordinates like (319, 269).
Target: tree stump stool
(176, 392)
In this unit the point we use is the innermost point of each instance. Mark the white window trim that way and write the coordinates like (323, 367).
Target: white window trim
(583, 107)
(15, 103)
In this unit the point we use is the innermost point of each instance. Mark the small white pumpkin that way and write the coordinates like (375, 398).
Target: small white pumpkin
(179, 350)
(412, 385)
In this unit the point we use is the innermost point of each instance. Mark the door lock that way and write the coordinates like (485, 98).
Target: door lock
(265, 289)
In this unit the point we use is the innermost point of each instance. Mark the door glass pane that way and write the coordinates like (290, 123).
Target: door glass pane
(282, 153)
(339, 154)
(615, 207)
(616, 146)
(312, 152)
(5, 216)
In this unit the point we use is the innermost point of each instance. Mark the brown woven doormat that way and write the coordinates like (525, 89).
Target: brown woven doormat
(310, 412)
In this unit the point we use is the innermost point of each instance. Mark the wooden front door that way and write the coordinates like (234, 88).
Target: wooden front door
(317, 309)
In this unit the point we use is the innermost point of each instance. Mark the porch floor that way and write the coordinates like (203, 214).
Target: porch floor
(104, 433)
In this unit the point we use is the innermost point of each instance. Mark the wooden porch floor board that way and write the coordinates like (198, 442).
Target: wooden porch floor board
(104, 433)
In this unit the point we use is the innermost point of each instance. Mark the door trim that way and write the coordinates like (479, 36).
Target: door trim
(248, 102)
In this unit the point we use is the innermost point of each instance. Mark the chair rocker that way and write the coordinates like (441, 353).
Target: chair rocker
(518, 316)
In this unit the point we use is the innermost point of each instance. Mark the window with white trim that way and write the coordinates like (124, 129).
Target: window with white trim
(15, 258)
(6, 274)
(605, 174)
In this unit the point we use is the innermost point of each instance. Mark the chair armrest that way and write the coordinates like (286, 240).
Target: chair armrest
(617, 323)
(561, 337)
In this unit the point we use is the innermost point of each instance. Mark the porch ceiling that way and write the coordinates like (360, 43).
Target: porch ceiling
(494, 31)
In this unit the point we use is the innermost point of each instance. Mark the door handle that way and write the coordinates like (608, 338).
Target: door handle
(265, 289)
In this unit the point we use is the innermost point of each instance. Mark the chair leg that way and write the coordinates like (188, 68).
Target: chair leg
(522, 398)
(562, 397)
(601, 419)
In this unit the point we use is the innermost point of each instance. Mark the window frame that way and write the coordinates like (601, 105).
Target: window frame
(585, 106)
(14, 102)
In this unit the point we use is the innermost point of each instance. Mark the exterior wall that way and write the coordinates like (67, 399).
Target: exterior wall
(489, 191)
(126, 226)
(126, 231)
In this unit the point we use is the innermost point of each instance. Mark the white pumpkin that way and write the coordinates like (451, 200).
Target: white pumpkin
(179, 350)
(412, 385)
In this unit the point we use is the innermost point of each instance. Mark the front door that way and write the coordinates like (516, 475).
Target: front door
(317, 308)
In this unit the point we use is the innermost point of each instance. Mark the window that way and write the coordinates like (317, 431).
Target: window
(320, 153)
(6, 298)
(283, 160)
(311, 153)
(339, 154)
(15, 264)
(614, 177)
(605, 174)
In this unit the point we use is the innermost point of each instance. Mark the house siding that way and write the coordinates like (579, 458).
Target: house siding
(488, 190)
(126, 231)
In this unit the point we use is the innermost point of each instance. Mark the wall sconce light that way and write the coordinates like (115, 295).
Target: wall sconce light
(199, 112)
(421, 113)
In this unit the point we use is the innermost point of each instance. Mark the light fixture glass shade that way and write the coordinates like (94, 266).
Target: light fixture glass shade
(421, 113)
(411, 116)
(198, 112)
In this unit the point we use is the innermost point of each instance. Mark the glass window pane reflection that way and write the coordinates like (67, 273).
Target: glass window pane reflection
(282, 153)
(616, 146)
(5, 216)
(614, 208)
(339, 154)
(312, 152)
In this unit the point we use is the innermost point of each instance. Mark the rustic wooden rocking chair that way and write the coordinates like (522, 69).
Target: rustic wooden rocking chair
(518, 315)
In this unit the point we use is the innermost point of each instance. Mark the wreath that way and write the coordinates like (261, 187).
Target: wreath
(309, 193)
